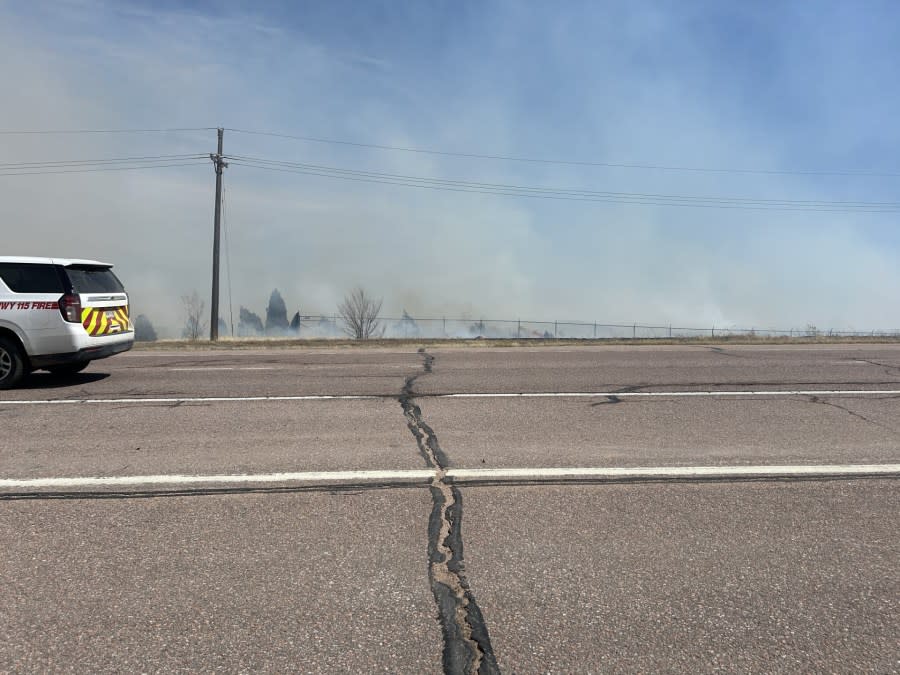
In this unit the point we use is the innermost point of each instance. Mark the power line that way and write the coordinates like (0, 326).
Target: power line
(107, 160)
(570, 195)
(18, 132)
(567, 198)
(563, 191)
(536, 160)
(468, 155)
(43, 172)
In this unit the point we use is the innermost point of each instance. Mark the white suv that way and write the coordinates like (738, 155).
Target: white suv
(59, 315)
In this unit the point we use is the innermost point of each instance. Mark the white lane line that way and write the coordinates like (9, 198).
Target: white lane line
(204, 368)
(676, 471)
(459, 475)
(675, 394)
(196, 399)
(415, 475)
(369, 397)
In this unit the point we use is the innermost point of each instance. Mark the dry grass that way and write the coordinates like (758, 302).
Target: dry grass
(287, 343)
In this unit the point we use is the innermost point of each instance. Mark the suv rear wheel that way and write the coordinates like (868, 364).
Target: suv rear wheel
(69, 368)
(12, 363)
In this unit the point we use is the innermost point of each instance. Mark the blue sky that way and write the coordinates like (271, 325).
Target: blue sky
(773, 86)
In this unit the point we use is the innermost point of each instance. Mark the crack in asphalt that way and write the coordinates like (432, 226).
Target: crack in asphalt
(467, 645)
(821, 401)
(631, 388)
(719, 350)
(889, 369)
(610, 400)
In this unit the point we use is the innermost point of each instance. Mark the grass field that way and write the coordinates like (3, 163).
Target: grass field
(286, 343)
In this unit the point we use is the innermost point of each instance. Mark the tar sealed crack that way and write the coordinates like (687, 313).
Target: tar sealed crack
(467, 646)
(821, 401)
(612, 399)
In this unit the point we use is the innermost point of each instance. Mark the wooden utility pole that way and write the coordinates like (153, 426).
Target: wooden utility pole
(219, 165)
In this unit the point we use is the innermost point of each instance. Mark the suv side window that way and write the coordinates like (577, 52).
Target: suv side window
(31, 278)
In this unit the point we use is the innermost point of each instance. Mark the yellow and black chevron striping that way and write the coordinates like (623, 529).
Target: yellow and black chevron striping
(105, 320)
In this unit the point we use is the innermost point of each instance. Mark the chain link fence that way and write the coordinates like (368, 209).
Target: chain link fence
(408, 327)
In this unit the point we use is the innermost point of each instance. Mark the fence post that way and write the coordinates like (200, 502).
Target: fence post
(444, 326)
(595, 330)
(555, 330)
(670, 331)
(712, 331)
(519, 328)
(633, 331)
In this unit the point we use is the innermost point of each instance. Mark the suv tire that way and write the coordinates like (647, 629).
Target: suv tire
(12, 363)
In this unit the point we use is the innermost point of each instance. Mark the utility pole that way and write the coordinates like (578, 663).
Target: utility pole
(217, 223)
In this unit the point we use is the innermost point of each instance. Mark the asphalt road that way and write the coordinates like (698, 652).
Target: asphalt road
(414, 568)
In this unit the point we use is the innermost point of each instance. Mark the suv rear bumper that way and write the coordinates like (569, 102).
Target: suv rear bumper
(86, 354)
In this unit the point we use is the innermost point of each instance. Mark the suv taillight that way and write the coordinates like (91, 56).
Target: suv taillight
(70, 308)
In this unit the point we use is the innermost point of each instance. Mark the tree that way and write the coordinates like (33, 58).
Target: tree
(250, 323)
(276, 315)
(143, 329)
(359, 314)
(195, 323)
(407, 326)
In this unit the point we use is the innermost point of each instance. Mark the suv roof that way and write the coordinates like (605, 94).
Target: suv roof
(65, 262)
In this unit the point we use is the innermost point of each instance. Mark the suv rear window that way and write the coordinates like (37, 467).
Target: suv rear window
(31, 278)
(91, 279)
